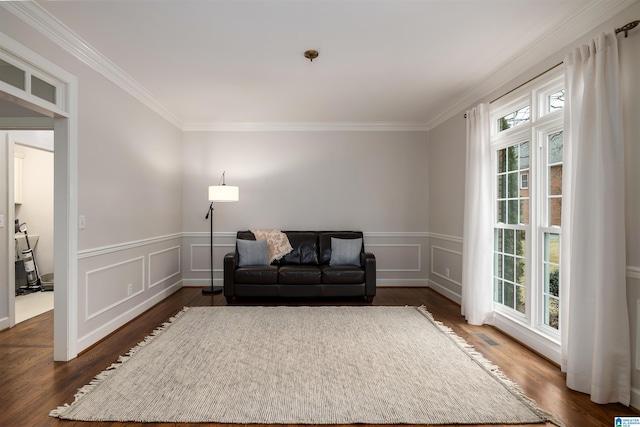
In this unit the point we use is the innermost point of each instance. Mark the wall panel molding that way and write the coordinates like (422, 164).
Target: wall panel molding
(418, 255)
(228, 246)
(433, 263)
(89, 312)
(118, 320)
(120, 281)
(169, 274)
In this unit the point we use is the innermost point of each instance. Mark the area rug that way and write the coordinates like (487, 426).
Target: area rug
(303, 365)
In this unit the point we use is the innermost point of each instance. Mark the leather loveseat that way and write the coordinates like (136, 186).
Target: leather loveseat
(310, 269)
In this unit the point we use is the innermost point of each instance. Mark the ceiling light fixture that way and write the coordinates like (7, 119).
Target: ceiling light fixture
(311, 55)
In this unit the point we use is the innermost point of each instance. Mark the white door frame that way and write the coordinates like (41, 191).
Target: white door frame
(65, 126)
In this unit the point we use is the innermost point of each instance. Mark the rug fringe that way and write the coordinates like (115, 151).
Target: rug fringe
(98, 379)
(489, 366)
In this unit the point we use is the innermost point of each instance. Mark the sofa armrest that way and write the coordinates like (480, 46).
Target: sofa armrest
(229, 268)
(370, 274)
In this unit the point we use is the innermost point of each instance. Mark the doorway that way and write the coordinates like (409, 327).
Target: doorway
(33, 201)
(17, 116)
(56, 109)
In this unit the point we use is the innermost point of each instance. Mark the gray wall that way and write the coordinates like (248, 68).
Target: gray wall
(370, 181)
(447, 152)
(129, 189)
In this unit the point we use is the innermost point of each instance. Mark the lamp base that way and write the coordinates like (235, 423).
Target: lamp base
(209, 290)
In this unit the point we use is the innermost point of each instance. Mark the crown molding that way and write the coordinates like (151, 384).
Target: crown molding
(35, 16)
(306, 127)
(596, 13)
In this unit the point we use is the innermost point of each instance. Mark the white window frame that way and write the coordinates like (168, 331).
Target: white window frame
(530, 327)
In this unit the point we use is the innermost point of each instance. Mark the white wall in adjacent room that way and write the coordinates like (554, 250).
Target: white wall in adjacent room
(36, 209)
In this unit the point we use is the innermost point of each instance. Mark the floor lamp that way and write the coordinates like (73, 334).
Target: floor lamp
(218, 193)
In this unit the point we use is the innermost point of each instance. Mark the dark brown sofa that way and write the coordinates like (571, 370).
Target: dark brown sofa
(306, 271)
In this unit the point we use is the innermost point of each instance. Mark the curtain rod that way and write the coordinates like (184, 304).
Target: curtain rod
(625, 29)
(528, 81)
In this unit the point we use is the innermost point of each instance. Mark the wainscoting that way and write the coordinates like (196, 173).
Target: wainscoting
(402, 258)
(119, 282)
(445, 274)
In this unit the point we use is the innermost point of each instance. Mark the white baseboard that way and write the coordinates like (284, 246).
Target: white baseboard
(200, 283)
(457, 298)
(402, 283)
(381, 283)
(107, 328)
(4, 323)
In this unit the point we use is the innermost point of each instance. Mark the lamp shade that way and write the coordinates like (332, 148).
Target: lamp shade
(224, 193)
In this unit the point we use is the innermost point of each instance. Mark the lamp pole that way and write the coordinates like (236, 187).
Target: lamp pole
(212, 290)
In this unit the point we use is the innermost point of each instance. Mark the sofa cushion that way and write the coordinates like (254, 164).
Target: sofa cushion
(324, 242)
(345, 251)
(342, 275)
(305, 249)
(252, 252)
(267, 275)
(299, 275)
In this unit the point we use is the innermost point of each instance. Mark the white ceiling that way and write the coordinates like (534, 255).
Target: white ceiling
(385, 61)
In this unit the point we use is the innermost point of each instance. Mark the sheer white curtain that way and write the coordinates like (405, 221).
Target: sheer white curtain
(595, 323)
(477, 246)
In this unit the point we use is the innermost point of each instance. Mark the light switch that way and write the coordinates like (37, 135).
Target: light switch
(1, 221)
(81, 222)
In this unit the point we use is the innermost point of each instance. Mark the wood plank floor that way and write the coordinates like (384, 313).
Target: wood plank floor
(31, 384)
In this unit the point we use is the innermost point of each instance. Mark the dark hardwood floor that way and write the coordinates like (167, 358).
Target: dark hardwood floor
(31, 383)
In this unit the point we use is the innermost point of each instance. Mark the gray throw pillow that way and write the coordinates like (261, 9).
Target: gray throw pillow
(345, 251)
(252, 252)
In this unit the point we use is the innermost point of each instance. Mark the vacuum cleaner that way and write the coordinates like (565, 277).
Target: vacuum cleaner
(34, 283)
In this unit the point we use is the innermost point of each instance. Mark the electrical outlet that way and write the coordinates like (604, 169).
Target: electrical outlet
(1, 221)
(129, 289)
(446, 271)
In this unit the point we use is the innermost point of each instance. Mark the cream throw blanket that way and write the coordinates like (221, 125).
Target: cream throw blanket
(278, 244)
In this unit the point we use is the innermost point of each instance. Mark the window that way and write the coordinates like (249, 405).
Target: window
(527, 141)
(31, 81)
(12, 75)
(513, 119)
(43, 90)
(556, 100)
